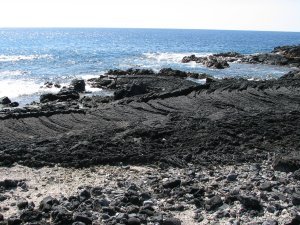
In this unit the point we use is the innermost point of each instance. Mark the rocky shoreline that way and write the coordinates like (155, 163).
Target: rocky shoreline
(281, 56)
(161, 150)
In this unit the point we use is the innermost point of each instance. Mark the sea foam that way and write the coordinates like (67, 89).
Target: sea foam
(171, 57)
(15, 58)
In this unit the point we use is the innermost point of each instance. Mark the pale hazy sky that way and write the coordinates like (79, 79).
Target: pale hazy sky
(278, 15)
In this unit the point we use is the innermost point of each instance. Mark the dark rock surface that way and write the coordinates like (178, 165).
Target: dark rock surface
(158, 119)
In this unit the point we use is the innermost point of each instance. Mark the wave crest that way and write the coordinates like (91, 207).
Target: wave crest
(171, 57)
(15, 58)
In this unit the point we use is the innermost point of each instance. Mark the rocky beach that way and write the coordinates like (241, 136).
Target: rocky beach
(162, 149)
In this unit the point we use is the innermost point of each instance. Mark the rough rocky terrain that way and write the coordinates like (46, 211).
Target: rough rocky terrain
(158, 119)
(249, 193)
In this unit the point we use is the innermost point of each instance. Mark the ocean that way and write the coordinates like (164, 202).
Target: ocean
(31, 57)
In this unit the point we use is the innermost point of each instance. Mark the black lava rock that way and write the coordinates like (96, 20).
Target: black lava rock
(172, 184)
(213, 203)
(5, 100)
(63, 95)
(295, 220)
(78, 85)
(296, 198)
(61, 216)
(9, 184)
(82, 218)
(296, 174)
(14, 104)
(31, 216)
(133, 221)
(22, 204)
(171, 221)
(47, 204)
(250, 202)
(14, 221)
(232, 177)
(266, 186)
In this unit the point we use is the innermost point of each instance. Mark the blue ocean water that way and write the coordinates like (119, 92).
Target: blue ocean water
(30, 57)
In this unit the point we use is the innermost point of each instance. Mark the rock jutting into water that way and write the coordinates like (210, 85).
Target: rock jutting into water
(281, 56)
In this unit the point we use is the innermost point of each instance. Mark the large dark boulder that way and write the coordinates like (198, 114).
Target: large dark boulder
(5, 100)
(61, 216)
(63, 95)
(213, 203)
(31, 215)
(78, 85)
(47, 203)
(250, 202)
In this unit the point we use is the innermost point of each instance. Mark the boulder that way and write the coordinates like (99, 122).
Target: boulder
(61, 216)
(172, 183)
(31, 215)
(5, 100)
(296, 174)
(14, 221)
(171, 221)
(134, 221)
(47, 203)
(78, 85)
(63, 95)
(14, 104)
(250, 202)
(22, 204)
(213, 203)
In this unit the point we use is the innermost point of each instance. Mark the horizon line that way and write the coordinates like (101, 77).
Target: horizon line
(147, 28)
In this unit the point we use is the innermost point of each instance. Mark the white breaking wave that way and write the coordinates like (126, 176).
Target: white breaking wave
(171, 57)
(16, 88)
(15, 58)
(9, 73)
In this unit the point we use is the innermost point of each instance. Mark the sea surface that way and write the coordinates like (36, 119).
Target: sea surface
(31, 57)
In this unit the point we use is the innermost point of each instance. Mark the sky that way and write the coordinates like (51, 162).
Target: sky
(269, 15)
